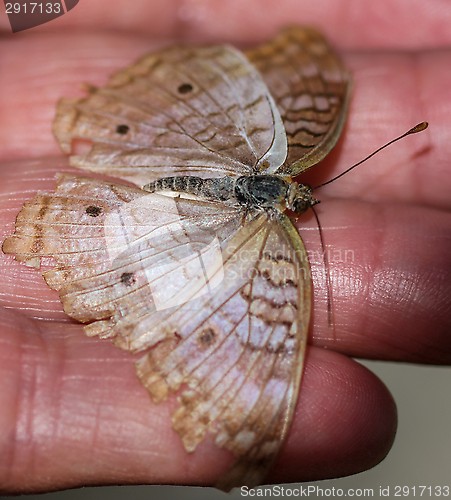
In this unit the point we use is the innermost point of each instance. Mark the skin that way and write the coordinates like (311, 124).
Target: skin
(72, 411)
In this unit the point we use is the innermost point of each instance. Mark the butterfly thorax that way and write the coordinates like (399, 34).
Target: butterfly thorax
(273, 191)
(255, 192)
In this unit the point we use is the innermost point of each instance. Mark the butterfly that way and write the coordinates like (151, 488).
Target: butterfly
(193, 261)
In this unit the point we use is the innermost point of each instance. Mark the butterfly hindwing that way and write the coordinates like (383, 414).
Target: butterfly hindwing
(237, 352)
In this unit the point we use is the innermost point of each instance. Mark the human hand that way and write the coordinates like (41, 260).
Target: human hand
(72, 409)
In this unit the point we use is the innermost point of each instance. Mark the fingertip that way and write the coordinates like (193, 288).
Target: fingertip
(345, 421)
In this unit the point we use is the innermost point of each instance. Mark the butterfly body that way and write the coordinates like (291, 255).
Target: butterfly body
(252, 192)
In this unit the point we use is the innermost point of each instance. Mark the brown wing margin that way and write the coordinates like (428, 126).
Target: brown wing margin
(311, 88)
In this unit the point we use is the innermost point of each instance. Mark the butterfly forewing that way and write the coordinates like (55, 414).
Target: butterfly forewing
(181, 111)
(311, 88)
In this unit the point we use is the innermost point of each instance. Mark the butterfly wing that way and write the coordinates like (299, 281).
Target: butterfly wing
(233, 337)
(120, 253)
(181, 111)
(236, 354)
(311, 88)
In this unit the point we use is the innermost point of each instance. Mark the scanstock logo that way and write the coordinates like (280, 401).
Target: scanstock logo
(27, 14)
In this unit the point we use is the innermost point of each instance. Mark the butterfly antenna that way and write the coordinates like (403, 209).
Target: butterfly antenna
(326, 274)
(418, 128)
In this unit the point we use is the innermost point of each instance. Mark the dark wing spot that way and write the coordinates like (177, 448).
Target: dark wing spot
(93, 211)
(207, 337)
(185, 88)
(128, 279)
(122, 129)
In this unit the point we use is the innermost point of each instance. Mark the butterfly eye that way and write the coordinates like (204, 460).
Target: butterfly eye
(300, 205)
(122, 129)
(185, 88)
(93, 211)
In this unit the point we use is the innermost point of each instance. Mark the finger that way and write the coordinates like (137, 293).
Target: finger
(389, 24)
(23, 287)
(53, 69)
(348, 410)
(390, 280)
(76, 414)
(414, 170)
(390, 95)
(388, 264)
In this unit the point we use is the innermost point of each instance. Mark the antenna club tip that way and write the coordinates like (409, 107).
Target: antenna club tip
(418, 128)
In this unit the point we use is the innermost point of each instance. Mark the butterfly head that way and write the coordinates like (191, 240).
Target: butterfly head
(300, 198)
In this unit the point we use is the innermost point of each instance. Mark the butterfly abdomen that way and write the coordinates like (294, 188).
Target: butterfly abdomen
(216, 189)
